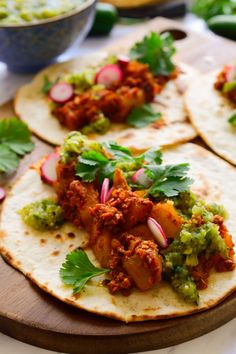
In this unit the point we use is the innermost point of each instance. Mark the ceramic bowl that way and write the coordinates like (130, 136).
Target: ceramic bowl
(29, 47)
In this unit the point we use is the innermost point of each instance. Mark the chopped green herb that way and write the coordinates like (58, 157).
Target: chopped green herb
(77, 270)
(8, 159)
(89, 164)
(168, 180)
(14, 142)
(232, 119)
(156, 51)
(47, 84)
(117, 151)
(209, 8)
(142, 116)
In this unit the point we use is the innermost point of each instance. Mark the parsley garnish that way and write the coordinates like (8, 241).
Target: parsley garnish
(14, 142)
(143, 115)
(167, 180)
(77, 270)
(47, 84)
(156, 51)
(232, 119)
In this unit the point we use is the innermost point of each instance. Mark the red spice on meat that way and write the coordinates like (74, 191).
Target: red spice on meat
(219, 84)
(138, 86)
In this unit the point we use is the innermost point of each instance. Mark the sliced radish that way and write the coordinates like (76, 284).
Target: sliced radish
(230, 73)
(105, 190)
(123, 60)
(110, 193)
(48, 169)
(157, 232)
(61, 92)
(109, 76)
(2, 194)
(140, 177)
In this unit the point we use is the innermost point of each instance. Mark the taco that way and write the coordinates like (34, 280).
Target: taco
(128, 99)
(125, 236)
(211, 103)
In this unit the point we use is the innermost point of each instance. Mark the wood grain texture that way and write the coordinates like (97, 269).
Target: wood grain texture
(32, 316)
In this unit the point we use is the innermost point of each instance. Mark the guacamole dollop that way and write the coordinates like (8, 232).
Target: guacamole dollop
(43, 215)
(24, 11)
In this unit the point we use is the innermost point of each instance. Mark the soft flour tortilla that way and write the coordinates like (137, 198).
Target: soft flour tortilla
(31, 105)
(39, 255)
(209, 112)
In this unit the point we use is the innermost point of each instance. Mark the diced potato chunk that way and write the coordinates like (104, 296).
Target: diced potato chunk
(167, 216)
(102, 249)
(142, 276)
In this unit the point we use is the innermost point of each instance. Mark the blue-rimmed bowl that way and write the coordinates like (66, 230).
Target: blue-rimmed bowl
(29, 47)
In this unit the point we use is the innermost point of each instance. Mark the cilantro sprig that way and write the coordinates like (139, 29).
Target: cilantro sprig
(77, 270)
(15, 142)
(156, 51)
(232, 119)
(167, 180)
(47, 84)
(142, 115)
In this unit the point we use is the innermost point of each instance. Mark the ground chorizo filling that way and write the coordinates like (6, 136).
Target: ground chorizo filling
(122, 242)
(138, 86)
(226, 83)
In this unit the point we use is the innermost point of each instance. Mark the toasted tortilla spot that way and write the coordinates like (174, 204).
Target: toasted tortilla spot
(2, 234)
(58, 236)
(43, 241)
(55, 253)
(158, 124)
(8, 257)
(26, 232)
(71, 235)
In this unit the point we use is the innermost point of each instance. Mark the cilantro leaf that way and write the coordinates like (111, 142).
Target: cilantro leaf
(15, 134)
(89, 164)
(47, 84)
(9, 161)
(77, 270)
(156, 51)
(14, 141)
(117, 150)
(209, 8)
(232, 119)
(153, 155)
(168, 180)
(143, 115)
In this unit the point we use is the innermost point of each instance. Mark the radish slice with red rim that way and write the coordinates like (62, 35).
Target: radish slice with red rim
(123, 60)
(105, 190)
(140, 177)
(157, 232)
(48, 169)
(230, 73)
(61, 92)
(110, 193)
(2, 194)
(109, 75)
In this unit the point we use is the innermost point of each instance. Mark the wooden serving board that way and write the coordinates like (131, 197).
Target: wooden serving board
(32, 316)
